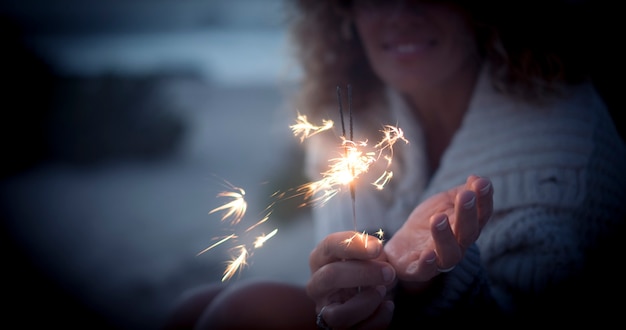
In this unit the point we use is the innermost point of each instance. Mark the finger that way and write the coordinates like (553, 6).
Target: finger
(348, 274)
(446, 246)
(361, 307)
(466, 228)
(421, 270)
(484, 192)
(446, 252)
(344, 245)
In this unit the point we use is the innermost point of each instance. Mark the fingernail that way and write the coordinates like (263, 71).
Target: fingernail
(443, 223)
(484, 190)
(373, 248)
(387, 274)
(412, 267)
(390, 305)
(382, 290)
(431, 257)
(469, 204)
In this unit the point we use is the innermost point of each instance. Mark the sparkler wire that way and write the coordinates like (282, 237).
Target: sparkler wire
(343, 130)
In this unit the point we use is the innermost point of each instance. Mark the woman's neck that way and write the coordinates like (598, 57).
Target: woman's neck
(441, 109)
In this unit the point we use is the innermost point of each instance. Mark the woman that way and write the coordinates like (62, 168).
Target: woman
(476, 92)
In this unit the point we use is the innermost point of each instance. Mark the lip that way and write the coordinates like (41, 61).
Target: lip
(408, 47)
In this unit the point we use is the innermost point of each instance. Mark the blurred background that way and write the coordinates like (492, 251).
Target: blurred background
(122, 122)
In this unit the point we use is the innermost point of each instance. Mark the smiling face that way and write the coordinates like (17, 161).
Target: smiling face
(415, 44)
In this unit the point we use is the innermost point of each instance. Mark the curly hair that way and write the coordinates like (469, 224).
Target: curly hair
(528, 44)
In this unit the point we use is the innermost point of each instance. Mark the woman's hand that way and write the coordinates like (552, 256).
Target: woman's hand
(439, 230)
(350, 280)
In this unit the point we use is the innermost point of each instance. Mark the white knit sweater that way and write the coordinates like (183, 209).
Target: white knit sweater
(558, 176)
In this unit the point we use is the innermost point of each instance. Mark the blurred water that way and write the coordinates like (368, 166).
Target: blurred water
(224, 56)
(122, 237)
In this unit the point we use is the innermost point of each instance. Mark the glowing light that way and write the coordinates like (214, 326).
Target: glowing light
(236, 208)
(263, 238)
(362, 237)
(236, 263)
(380, 234)
(383, 180)
(305, 129)
(391, 135)
(217, 243)
(263, 220)
(354, 159)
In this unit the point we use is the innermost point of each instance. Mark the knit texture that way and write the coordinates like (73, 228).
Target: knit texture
(560, 188)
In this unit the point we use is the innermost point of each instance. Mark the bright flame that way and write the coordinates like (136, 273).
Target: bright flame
(342, 171)
(355, 160)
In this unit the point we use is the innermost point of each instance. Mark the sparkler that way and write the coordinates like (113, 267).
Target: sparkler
(347, 150)
(342, 171)
(356, 160)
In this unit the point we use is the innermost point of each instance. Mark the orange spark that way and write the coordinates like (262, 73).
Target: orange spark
(236, 263)
(363, 237)
(380, 234)
(265, 218)
(382, 180)
(304, 128)
(391, 135)
(263, 238)
(217, 243)
(236, 208)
